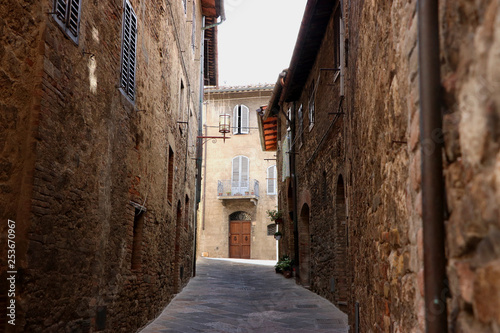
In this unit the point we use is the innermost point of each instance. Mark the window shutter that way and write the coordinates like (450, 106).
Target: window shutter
(74, 17)
(127, 82)
(245, 123)
(245, 171)
(61, 10)
(271, 180)
(235, 119)
(235, 174)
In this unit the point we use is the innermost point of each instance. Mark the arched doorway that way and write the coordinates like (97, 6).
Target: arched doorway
(304, 245)
(240, 235)
(341, 234)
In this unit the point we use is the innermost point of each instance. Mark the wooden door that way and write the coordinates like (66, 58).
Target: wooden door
(239, 239)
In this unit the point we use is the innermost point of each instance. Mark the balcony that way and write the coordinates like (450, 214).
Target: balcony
(238, 190)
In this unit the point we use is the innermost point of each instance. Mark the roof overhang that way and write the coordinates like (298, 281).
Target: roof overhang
(211, 9)
(314, 24)
(268, 130)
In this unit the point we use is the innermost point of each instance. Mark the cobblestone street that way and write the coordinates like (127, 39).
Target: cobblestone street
(246, 296)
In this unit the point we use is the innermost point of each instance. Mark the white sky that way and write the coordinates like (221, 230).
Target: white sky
(257, 39)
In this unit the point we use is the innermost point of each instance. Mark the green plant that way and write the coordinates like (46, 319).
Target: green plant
(274, 214)
(284, 264)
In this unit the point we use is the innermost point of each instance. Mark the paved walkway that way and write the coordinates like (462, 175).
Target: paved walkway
(240, 297)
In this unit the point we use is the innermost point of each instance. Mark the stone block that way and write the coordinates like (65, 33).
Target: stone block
(486, 299)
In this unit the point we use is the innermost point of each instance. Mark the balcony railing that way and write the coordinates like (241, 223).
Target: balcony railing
(236, 189)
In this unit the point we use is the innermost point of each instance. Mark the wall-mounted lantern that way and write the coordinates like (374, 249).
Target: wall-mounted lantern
(224, 127)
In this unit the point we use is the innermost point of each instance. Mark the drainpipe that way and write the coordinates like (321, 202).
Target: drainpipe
(294, 192)
(433, 205)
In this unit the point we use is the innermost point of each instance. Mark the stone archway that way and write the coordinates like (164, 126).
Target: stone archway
(304, 246)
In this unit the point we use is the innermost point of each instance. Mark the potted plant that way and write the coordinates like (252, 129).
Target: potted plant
(275, 215)
(228, 193)
(277, 235)
(284, 266)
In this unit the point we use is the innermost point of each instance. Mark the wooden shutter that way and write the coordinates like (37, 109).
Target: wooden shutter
(236, 119)
(73, 17)
(271, 180)
(245, 121)
(127, 81)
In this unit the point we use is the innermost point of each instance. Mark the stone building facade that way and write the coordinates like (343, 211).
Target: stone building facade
(349, 157)
(239, 179)
(99, 105)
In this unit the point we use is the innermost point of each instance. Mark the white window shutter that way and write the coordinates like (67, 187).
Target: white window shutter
(271, 180)
(245, 121)
(235, 119)
(245, 173)
(235, 175)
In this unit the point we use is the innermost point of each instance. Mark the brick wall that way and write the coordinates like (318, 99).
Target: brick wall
(90, 154)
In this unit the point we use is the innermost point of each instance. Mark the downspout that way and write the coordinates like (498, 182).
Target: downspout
(199, 142)
(294, 192)
(433, 196)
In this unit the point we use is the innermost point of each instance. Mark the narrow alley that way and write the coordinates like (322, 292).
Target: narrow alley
(230, 295)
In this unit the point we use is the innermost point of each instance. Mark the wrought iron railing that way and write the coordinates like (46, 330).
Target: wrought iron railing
(229, 188)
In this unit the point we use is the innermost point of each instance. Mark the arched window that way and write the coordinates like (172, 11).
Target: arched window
(241, 119)
(240, 176)
(271, 180)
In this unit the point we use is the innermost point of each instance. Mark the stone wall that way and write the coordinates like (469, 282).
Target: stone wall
(471, 78)
(374, 151)
(90, 258)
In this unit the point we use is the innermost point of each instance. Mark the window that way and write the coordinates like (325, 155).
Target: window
(271, 180)
(186, 212)
(336, 41)
(137, 239)
(241, 119)
(170, 175)
(240, 175)
(182, 97)
(67, 14)
(312, 97)
(271, 229)
(184, 5)
(129, 33)
(301, 126)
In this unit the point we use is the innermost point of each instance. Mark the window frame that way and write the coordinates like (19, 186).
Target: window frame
(300, 117)
(64, 23)
(184, 5)
(275, 179)
(238, 126)
(128, 92)
(312, 105)
(240, 188)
